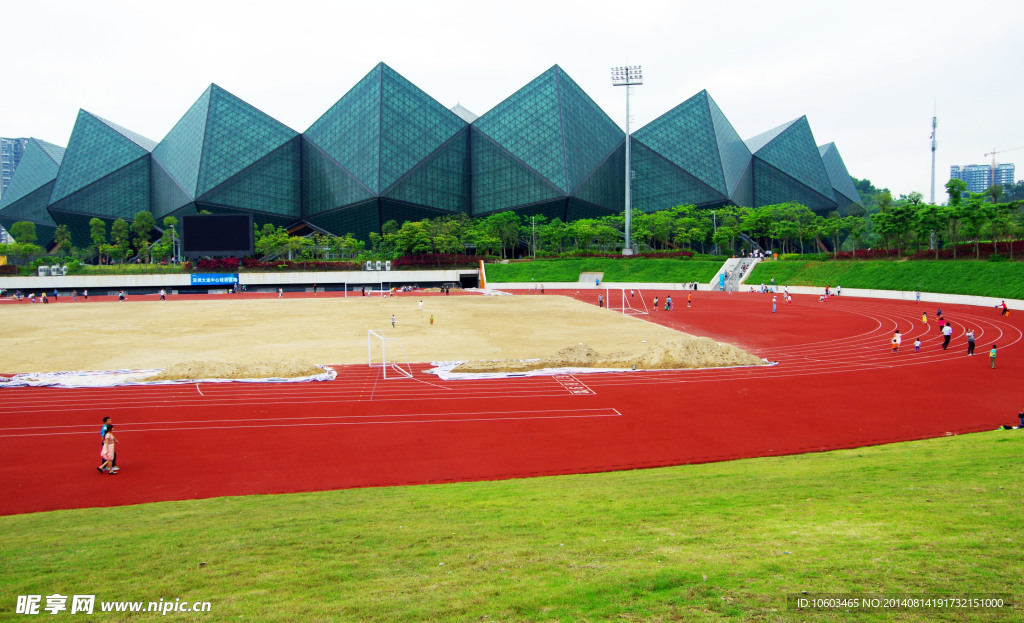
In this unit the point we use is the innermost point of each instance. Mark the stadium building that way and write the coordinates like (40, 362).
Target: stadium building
(387, 150)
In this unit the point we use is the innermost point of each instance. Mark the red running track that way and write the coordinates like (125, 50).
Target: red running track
(836, 386)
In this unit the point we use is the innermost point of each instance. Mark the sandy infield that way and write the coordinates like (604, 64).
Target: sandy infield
(146, 333)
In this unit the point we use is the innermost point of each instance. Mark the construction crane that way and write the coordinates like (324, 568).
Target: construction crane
(992, 181)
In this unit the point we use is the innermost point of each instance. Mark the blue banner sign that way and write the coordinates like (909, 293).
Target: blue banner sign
(215, 279)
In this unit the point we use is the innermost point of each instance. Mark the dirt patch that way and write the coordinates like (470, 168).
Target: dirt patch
(228, 370)
(679, 353)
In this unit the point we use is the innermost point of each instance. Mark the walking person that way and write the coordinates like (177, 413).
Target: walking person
(970, 342)
(898, 339)
(917, 345)
(992, 356)
(774, 304)
(74, 296)
(85, 294)
(163, 294)
(109, 451)
(947, 333)
(655, 303)
(392, 321)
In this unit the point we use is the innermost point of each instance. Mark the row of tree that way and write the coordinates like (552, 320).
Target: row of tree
(905, 225)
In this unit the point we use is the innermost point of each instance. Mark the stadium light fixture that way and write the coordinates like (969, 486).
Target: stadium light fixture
(628, 76)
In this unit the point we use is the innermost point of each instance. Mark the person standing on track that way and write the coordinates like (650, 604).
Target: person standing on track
(947, 333)
(163, 294)
(970, 342)
(655, 303)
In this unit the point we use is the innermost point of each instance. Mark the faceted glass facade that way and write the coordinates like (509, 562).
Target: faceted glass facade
(788, 167)
(28, 195)
(846, 196)
(388, 151)
(543, 144)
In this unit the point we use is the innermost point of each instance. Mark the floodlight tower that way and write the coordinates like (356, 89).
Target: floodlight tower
(627, 77)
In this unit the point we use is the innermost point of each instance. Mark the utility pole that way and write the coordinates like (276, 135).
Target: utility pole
(935, 124)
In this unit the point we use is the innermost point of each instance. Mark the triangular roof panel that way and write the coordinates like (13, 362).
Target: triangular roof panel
(794, 152)
(96, 149)
(237, 135)
(38, 167)
(837, 174)
(180, 152)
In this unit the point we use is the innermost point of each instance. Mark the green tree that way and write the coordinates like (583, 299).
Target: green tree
(24, 231)
(931, 220)
(955, 189)
(856, 225)
(120, 233)
(142, 227)
(98, 235)
(61, 239)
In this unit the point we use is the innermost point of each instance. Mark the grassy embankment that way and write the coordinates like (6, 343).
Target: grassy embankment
(640, 270)
(694, 543)
(997, 279)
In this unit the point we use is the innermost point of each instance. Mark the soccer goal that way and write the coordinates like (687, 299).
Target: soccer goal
(386, 353)
(629, 301)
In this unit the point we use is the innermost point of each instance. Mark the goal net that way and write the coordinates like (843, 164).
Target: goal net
(627, 301)
(386, 353)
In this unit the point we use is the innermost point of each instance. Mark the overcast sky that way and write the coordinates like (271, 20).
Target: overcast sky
(866, 74)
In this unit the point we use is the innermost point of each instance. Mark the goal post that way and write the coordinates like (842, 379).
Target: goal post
(628, 301)
(386, 353)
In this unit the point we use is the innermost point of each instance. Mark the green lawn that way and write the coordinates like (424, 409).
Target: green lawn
(998, 279)
(688, 543)
(640, 270)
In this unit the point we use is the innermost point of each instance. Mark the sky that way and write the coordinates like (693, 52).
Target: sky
(867, 75)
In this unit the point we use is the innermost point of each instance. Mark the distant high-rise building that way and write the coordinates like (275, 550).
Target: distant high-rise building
(11, 150)
(980, 176)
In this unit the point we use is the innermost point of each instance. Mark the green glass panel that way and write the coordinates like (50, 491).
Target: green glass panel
(846, 193)
(731, 149)
(168, 196)
(743, 193)
(95, 150)
(412, 126)
(589, 134)
(325, 185)
(38, 167)
(659, 184)
(78, 226)
(794, 152)
(120, 194)
(358, 220)
(772, 186)
(403, 212)
(180, 152)
(442, 181)
(237, 135)
(605, 187)
(349, 132)
(528, 125)
(270, 185)
(500, 182)
(577, 209)
(685, 137)
(31, 207)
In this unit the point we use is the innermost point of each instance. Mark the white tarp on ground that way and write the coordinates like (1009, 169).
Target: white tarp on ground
(111, 378)
(444, 371)
(487, 292)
